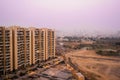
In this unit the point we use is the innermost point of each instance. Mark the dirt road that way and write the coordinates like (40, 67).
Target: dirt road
(96, 67)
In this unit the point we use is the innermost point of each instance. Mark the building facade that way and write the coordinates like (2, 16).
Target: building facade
(21, 47)
(6, 52)
(47, 43)
(35, 43)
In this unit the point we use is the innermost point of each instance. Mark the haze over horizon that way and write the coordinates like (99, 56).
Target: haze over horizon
(71, 16)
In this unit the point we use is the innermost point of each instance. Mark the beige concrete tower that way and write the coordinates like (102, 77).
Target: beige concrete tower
(6, 56)
(52, 43)
(20, 47)
(21, 44)
(43, 44)
(35, 45)
(47, 43)
(27, 46)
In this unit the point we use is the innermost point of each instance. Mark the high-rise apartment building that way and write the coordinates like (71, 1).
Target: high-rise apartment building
(52, 43)
(47, 43)
(21, 47)
(43, 44)
(35, 45)
(27, 42)
(6, 53)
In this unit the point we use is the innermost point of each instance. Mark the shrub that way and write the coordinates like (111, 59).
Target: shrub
(108, 53)
(22, 74)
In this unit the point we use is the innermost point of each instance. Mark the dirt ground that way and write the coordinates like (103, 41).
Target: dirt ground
(96, 67)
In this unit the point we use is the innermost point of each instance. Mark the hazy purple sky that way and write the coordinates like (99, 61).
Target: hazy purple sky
(63, 15)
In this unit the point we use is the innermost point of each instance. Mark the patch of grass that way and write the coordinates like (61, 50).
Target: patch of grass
(107, 53)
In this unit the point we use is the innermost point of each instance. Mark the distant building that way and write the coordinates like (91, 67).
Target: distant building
(6, 50)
